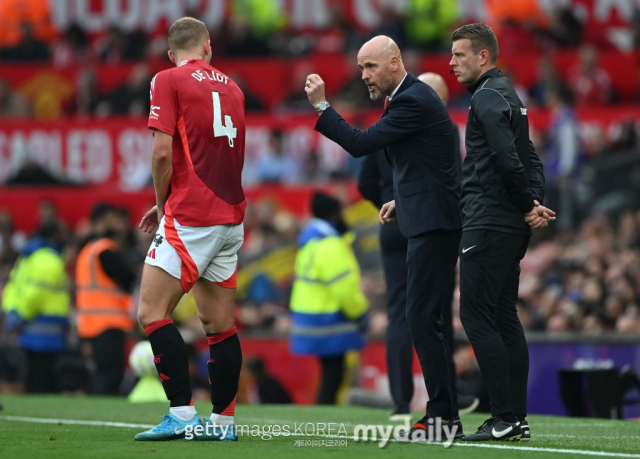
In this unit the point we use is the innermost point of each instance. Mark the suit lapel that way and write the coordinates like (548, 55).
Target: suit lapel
(405, 84)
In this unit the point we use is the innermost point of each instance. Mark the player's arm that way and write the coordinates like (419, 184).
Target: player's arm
(162, 166)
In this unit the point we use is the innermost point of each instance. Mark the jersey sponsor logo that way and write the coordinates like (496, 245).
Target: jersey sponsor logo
(154, 114)
(523, 111)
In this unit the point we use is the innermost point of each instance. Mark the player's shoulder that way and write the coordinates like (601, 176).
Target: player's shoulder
(161, 77)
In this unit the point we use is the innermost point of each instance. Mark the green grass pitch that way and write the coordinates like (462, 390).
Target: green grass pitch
(35, 427)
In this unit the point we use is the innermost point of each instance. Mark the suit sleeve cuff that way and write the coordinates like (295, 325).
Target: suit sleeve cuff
(326, 119)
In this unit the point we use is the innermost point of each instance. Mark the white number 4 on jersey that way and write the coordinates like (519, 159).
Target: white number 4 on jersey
(221, 130)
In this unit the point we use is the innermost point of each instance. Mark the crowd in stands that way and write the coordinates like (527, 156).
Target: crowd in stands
(258, 28)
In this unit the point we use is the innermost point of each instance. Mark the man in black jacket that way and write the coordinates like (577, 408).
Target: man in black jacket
(502, 192)
(417, 134)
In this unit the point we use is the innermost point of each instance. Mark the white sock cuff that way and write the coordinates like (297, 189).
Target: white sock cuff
(185, 413)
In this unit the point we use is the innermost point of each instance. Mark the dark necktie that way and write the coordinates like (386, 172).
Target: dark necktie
(386, 102)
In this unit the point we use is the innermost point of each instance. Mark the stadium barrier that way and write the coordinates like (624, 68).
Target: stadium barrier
(549, 355)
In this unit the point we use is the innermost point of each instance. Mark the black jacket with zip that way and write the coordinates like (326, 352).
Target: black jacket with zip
(501, 174)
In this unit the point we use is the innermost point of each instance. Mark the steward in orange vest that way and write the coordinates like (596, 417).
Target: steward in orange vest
(104, 281)
(101, 303)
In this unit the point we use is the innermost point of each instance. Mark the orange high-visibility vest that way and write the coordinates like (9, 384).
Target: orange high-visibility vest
(101, 303)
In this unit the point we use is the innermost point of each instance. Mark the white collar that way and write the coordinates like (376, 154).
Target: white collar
(397, 87)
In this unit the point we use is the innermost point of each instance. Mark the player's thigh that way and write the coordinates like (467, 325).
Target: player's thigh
(215, 305)
(215, 291)
(159, 294)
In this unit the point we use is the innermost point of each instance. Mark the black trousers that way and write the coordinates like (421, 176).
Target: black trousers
(399, 344)
(108, 355)
(431, 263)
(489, 280)
(332, 374)
(42, 376)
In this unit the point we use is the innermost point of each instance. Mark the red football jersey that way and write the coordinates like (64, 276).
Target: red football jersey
(203, 109)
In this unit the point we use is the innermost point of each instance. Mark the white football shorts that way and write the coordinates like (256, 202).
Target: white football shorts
(189, 252)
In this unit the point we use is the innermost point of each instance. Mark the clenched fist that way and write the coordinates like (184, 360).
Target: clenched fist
(314, 87)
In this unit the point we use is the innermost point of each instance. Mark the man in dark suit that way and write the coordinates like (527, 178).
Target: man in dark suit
(375, 183)
(417, 134)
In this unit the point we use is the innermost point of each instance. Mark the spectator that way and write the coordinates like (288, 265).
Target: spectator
(110, 48)
(239, 41)
(428, 23)
(15, 14)
(252, 102)
(30, 48)
(340, 35)
(86, 98)
(73, 48)
(565, 28)
(296, 100)
(13, 104)
(592, 84)
(274, 165)
(132, 98)
(547, 77)
(562, 154)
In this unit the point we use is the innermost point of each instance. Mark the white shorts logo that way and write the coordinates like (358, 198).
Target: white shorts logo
(523, 111)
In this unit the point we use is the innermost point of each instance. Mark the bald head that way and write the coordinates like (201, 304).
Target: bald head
(380, 46)
(381, 64)
(437, 83)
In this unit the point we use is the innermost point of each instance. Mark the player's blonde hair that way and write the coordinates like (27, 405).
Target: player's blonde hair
(187, 33)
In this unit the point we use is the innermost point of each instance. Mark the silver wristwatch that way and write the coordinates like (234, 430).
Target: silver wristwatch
(322, 106)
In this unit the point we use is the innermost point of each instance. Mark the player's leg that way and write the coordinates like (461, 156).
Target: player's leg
(215, 295)
(159, 294)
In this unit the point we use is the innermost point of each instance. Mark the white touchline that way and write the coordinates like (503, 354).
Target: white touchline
(75, 421)
(472, 445)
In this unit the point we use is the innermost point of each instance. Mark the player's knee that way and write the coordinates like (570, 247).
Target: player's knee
(146, 315)
(205, 320)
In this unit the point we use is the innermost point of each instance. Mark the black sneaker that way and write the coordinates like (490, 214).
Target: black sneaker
(526, 432)
(496, 429)
(401, 413)
(420, 433)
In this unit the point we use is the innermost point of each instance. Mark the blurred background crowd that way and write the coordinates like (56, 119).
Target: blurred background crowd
(75, 70)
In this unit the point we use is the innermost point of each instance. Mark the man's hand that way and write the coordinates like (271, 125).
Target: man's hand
(539, 217)
(314, 88)
(151, 219)
(388, 212)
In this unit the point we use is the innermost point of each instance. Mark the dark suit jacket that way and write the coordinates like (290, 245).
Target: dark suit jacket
(418, 138)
